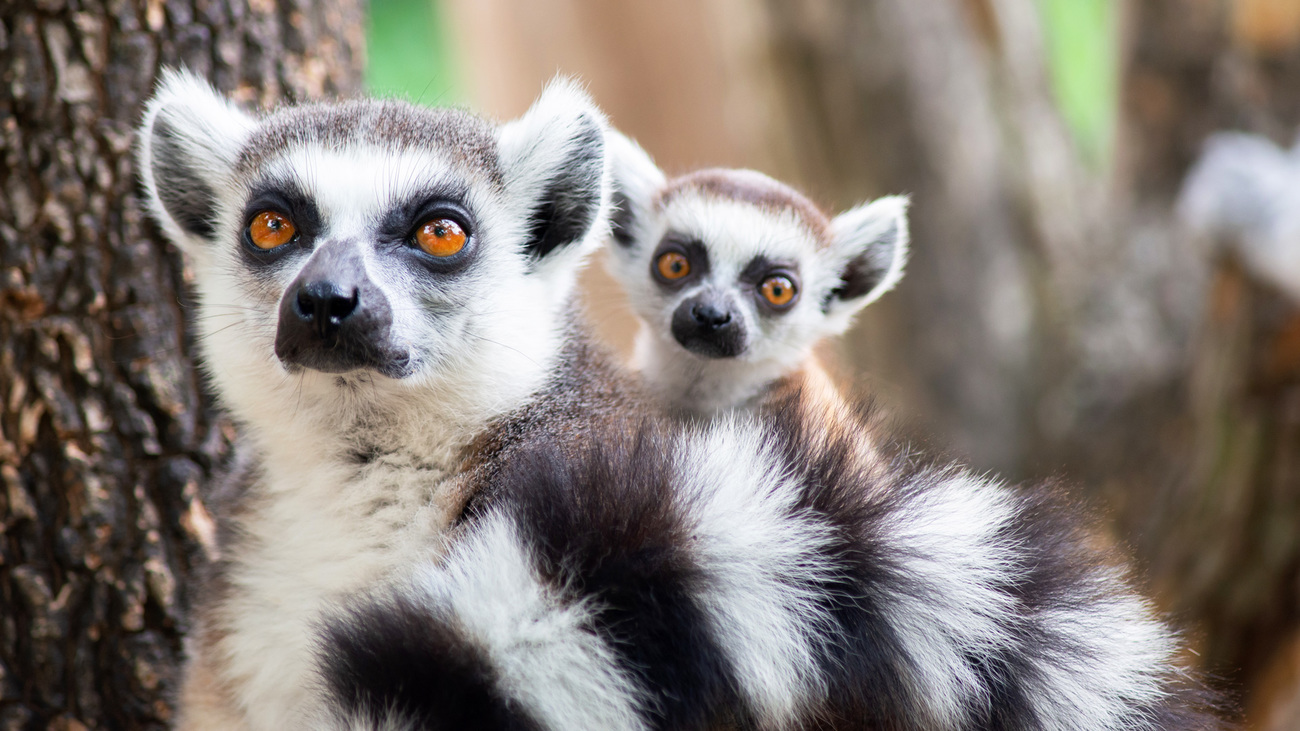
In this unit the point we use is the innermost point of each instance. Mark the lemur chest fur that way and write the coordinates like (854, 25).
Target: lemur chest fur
(316, 535)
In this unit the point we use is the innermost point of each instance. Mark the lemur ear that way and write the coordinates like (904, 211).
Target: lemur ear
(555, 162)
(870, 244)
(187, 147)
(635, 180)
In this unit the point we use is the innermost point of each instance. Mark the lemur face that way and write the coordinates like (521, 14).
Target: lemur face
(725, 276)
(372, 241)
(735, 265)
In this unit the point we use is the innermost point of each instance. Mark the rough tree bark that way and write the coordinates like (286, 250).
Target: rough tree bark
(106, 436)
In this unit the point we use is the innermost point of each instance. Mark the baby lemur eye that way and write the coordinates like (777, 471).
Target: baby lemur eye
(270, 229)
(673, 265)
(778, 290)
(441, 237)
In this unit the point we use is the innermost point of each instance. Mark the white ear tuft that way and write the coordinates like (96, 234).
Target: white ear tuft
(188, 144)
(870, 245)
(636, 180)
(555, 163)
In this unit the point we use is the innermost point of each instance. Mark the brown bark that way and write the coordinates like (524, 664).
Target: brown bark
(106, 434)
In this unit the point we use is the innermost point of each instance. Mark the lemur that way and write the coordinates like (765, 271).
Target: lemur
(737, 276)
(452, 511)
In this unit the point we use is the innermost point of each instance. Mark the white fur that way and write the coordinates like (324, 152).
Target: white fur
(530, 148)
(857, 228)
(946, 541)
(215, 130)
(758, 558)
(639, 179)
(537, 639)
(1127, 649)
(323, 534)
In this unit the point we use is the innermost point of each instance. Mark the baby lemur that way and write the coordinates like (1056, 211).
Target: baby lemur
(450, 511)
(736, 276)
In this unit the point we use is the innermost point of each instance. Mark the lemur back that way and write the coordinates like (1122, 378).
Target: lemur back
(451, 511)
(736, 277)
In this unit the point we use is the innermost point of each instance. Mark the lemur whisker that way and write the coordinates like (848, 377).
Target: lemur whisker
(503, 345)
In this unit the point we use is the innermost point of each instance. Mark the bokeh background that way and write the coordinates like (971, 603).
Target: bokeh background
(1058, 318)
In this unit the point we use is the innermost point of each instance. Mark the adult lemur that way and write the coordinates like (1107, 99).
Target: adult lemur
(451, 512)
(736, 277)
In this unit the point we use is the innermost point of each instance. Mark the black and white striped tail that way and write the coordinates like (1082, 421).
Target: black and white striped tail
(760, 576)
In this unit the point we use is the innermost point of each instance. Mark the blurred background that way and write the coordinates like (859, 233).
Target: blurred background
(1062, 316)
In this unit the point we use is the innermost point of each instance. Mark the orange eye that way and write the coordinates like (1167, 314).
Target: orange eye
(778, 290)
(441, 237)
(672, 265)
(270, 229)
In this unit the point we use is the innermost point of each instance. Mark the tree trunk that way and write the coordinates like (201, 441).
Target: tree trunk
(106, 433)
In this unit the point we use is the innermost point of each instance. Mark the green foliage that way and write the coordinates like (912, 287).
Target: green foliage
(408, 53)
(1083, 51)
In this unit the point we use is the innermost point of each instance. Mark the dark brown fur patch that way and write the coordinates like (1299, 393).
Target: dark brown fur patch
(387, 123)
(588, 395)
(754, 188)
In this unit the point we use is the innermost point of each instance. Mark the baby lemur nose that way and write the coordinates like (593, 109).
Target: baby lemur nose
(324, 305)
(709, 316)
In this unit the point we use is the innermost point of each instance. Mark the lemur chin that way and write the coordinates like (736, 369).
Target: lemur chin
(449, 511)
(736, 277)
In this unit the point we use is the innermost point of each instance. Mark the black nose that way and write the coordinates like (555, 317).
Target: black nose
(708, 325)
(706, 315)
(324, 305)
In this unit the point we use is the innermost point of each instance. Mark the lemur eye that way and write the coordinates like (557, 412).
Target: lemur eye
(778, 290)
(270, 229)
(441, 237)
(673, 265)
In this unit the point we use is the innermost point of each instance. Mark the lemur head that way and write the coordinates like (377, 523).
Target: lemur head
(354, 257)
(741, 271)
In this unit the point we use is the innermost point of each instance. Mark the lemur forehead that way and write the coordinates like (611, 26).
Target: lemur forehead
(467, 139)
(753, 188)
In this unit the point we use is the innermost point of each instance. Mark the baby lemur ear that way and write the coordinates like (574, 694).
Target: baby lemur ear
(870, 244)
(187, 147)
(635, 180)
(555, 163)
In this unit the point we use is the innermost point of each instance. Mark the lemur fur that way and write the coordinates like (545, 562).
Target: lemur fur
(713, 337)
(451, 511)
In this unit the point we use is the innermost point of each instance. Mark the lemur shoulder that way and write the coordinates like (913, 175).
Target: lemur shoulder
(736, 277)
(451, 511)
